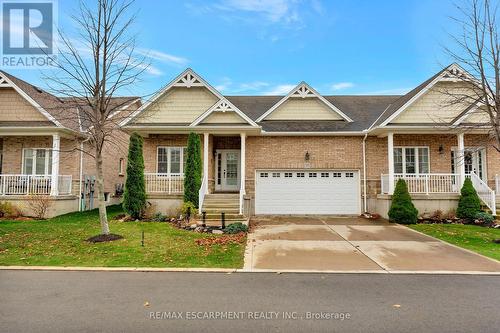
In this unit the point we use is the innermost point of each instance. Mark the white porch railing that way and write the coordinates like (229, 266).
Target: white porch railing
(497, 183)
(33, 184)
(425, 183)
(242, 194)
(484, 192)
(164, 183)
(202, 192)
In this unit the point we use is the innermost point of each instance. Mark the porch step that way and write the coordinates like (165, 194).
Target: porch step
(216, 203)
(222, 196)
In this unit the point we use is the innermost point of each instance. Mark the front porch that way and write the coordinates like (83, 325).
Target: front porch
(413, 163)
(223, 170)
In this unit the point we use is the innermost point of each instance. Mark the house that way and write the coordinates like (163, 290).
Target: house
(305, 153)
(42, 145)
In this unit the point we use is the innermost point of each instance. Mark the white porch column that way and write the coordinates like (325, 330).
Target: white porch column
(205, 158)
(390, 154)
(460, 159)
(56, 147)
(243, 137)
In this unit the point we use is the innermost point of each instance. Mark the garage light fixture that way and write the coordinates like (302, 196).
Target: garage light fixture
(307, 157)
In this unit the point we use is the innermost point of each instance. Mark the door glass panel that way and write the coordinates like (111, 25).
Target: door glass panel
(162, 160)
(231, 168)
(469, 165)
(398, 160)
(423, 160)
(175, 160)
(28, 162)
(410, 160)
(219, 168)
(40, 162)
(480, 164)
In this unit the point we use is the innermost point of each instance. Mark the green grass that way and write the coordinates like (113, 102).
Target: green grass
(60, 241)
(471, 237)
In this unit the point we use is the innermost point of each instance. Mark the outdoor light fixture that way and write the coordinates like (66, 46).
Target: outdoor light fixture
(441, 149)
(307, 157)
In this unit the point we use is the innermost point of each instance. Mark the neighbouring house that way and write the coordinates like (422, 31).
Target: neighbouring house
(42, 144)
(305, 153)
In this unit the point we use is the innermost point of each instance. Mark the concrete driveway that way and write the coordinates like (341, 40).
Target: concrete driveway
(352, 244)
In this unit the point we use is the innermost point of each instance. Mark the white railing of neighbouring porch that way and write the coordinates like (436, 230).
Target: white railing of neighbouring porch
(485, 193)
(33, 184)
(202, 192)
(425, 183)
(164, 183)
(497, 183)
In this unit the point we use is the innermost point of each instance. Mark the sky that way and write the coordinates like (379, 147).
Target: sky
(266, 47)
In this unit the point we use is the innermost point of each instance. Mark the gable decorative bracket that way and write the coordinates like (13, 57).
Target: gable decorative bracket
(302, 91)
(188, 80)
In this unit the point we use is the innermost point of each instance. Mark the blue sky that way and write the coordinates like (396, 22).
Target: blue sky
(247, 47)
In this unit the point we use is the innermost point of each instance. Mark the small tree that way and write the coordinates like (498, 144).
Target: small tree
(469, 204)
(134, 197)
(192, 173)
(402, 209)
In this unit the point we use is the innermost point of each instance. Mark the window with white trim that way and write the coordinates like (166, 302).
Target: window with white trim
(121, 166)
(171, 160)
(37, 161)
(325, 174)
(411, 160)
(264, 175)
(276, 174)
(337, 175)
(300, 175)
(313, 175)
(288, 175)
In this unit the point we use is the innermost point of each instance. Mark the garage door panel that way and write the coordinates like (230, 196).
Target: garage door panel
(307, 195)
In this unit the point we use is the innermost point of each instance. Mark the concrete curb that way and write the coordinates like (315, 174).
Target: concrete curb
(234, 270)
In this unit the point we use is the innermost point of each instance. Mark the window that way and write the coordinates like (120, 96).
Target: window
(300, 175)
(264, 174)
(276, 174)
(325, 174)
(288, 175)
(121, 166)
(313, 174)
(349, 174)
(37, 161)
(411, 160)
(171, 160)
(337, 175)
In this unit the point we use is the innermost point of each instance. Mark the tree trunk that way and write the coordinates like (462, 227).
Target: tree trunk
(103, 218)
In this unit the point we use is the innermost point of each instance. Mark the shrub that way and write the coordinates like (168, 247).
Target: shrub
(134, 197)
(7, 209)
(402, 209)
(469, 204)
(235, 228)
(486, 218)
(188, 206)
(158, 217)
(192, 173)
(39, 205)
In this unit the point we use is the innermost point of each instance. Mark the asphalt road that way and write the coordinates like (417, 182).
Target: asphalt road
(37, 301)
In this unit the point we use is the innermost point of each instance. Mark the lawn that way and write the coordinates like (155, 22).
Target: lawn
(471, 237)
(60, 241)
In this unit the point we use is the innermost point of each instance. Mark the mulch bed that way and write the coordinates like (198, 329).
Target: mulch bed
(104, 238)
(222, 240)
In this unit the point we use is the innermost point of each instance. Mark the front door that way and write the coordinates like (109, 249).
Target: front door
(474, 161)
(227, 170)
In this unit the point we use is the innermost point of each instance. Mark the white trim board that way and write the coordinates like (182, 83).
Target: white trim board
(223, 105)
(303, 90)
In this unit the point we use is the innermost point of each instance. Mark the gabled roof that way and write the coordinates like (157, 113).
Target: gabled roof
(223, 105)
(186, 79)
(303, 90)
(451, 72)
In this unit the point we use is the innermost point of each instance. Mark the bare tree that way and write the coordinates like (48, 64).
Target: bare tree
(92, 69)
(477, 50)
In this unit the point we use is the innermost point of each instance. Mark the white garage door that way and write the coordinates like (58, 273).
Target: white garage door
(307, 192)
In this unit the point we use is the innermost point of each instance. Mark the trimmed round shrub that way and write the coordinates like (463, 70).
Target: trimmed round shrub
(402, 209)
(485, 217)
(235, 228)
(469, 204)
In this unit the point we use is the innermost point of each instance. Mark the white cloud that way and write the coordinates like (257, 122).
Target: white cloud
(274, 10)
(342, 85)
(281, 89)
(224, 85)
(162, 56)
